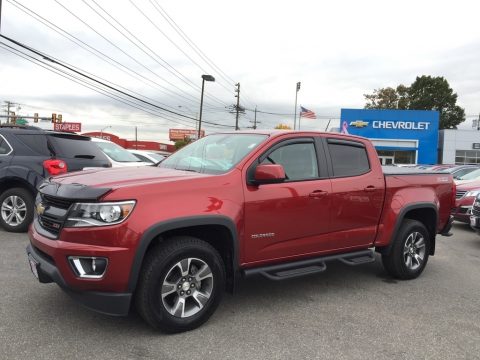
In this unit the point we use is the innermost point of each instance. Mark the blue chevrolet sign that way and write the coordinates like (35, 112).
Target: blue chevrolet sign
(389, 128)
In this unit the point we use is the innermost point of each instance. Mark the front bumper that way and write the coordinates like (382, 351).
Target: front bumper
(462, 213)
(110, 303)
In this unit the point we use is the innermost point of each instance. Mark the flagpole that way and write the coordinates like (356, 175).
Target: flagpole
(295, 114)
(299, 118)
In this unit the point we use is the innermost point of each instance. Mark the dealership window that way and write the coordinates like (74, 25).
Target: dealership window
(463, 157)
(397, 157)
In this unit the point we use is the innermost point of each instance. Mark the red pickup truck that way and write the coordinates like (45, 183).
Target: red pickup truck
(173, 237)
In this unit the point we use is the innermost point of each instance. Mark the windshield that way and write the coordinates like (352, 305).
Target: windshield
(471, 176)
(116, 152)
(157, 157)
(214, 154)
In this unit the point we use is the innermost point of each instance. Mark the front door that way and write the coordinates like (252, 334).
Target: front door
(293, 217)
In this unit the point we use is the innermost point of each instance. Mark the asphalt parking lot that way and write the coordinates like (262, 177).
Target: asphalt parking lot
(344, 313)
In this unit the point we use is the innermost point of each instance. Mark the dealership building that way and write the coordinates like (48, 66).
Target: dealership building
(400, 136)
(412, 136)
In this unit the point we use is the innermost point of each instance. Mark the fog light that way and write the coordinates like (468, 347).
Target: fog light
(88, 267)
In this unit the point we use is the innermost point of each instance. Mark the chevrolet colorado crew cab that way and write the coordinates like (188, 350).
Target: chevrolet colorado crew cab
(172, 238)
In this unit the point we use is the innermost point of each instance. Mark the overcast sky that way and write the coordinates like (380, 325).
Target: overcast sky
(339, 50)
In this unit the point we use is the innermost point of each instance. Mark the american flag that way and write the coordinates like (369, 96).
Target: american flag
(307, 113)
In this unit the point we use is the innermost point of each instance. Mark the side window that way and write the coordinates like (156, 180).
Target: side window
(298, 160)
(4, 147)
(348, 160)
(37, 143)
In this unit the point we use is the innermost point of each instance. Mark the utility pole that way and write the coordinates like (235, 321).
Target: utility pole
(255, 122)
(0, 16)
(237, 90)
(295, 114)
(136, 139)
(9, 105)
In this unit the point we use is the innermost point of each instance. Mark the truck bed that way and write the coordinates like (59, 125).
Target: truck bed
(396, 170)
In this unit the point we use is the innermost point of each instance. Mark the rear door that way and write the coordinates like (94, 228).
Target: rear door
(358, 188)
(77, 151)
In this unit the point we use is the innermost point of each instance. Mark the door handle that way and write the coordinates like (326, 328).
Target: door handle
(318, 193)
(370, 188)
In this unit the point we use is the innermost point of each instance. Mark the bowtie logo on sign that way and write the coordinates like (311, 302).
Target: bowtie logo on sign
(359, 123)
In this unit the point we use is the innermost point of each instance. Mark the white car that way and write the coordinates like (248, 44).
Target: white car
(468, 178)
(118, 156)
(147, 156)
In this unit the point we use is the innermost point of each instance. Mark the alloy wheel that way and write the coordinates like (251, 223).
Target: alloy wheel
(14, 210)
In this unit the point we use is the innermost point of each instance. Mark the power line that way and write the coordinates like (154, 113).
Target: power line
(125, 53)
(194, 46)
(102, 56)
(163, 62)
(116, 97)
(174, 44)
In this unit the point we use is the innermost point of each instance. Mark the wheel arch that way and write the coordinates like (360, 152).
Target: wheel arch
(426, 213)
(225, 241)
(15, 182)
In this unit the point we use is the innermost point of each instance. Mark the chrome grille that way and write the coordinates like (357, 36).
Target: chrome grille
(460, 193)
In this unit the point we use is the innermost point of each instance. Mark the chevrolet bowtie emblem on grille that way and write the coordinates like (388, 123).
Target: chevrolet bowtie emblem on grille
(40, 209)
(359, 123)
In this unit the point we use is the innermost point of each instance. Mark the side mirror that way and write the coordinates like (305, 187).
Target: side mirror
(269, 174)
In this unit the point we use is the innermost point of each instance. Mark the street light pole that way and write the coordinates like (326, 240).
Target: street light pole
(101, 131)
(295, 114)
(204, 78)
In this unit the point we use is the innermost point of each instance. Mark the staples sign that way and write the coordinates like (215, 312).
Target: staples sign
(68, 127)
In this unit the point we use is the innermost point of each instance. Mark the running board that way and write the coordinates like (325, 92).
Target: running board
(310, 266)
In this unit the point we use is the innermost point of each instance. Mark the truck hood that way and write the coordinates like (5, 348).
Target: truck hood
(115, 178)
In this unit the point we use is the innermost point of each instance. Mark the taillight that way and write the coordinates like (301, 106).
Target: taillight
(55, 167)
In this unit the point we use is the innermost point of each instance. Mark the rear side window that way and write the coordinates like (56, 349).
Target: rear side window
(4, 147)
(38, 143)
(72, 147)
(348, 160)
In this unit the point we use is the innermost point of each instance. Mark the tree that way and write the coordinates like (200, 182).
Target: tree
(181, 143)
(425, 93)
(434, 93)
(282, 127)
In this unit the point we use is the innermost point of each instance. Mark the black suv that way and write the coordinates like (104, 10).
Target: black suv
(28, 155)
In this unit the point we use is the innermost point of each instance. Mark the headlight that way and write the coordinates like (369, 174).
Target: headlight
(98, 214)
(472, 193)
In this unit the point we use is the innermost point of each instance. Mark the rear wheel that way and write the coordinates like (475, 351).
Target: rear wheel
(16, 209)
(409, 254)
(181, 284)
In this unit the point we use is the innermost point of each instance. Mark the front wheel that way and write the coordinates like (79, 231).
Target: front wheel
(16, 209)
(409, 254)
(181, 284)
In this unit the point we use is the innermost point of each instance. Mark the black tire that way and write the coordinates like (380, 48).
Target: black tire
(396, 263)
(23, 196)
(161, 265)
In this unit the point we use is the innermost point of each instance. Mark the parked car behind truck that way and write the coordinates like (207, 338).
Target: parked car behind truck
(228, 206)
(28, 155)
